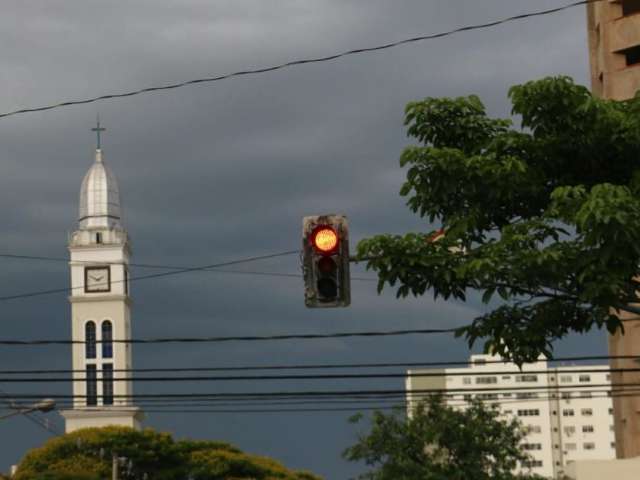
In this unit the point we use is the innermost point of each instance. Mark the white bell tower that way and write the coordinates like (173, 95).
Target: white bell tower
(100, 306)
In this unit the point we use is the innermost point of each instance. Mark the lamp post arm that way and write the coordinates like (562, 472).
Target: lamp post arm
(45, 405)
(18, 412)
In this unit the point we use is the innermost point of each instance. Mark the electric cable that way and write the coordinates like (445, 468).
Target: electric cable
(256, 71)
(330, 366)
(241, 338)
(564, 403)
(169, 267)
(155, 275)
(338, 376)
(336, 393)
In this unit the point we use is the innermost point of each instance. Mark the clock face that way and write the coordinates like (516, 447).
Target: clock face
(97, 279)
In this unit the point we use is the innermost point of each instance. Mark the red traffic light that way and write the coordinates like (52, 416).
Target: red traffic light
(324, 239)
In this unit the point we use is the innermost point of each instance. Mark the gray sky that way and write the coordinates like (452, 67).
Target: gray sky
(222, 171)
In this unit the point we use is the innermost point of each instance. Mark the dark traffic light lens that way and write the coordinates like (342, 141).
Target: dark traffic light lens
(327, 288)
(327, 265)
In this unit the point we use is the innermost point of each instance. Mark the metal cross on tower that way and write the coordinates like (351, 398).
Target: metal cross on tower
(98, 129)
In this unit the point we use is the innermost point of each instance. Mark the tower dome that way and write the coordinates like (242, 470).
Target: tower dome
(99, 198)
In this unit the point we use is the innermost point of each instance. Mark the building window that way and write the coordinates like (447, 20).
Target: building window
(532, 446)
(90, 339)
(98, 238)
(587, 429)
(632, 55)
(107, 339)
(584, 378)
(526, 378)
(107, 384)
(506, 377)
(507, 395)
(487, 396)
(532, 463)
(585, 394)
(566, 395)
(570, 430)
(586, 412)
(566, 379)
(611, 411)
(92, 387)
(570, 446)
(629, 7)
(466, 381)
(567, 412)
(526, 395)
(589, 446)
(467, 397)
(534, 412)
(486, 380)
(533, 429)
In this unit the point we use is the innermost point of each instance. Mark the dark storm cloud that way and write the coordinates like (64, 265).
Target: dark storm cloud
(216, 172)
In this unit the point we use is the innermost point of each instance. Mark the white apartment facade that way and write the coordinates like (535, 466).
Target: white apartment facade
(567, 410)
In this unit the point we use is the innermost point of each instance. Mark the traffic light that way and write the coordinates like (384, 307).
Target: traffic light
(325, 250)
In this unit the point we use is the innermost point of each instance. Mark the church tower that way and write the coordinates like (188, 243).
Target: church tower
(100, 306)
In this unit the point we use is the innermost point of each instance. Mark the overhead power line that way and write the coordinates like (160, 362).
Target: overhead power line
(378, 404)
(245, 338)
(324, 366)
(333, 376)
(157, 275)
(170, 267)
(256, 71)
(408, 397)
(342, 393)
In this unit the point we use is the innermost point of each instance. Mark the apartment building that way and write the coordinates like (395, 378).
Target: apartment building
(567, 412)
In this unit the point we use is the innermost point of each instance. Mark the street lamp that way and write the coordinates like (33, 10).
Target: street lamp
(45, 405)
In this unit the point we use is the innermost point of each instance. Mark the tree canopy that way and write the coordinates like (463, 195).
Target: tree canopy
(87, 455)
(440, 442)
(543, 219)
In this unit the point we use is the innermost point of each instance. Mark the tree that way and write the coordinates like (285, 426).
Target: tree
(87, 455)
(439, 442)
(546, 217)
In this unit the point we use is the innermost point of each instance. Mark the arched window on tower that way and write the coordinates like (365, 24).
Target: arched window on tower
(107, 339)
(90, 339)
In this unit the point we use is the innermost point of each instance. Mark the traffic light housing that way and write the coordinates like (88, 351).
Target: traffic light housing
(325, 250)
